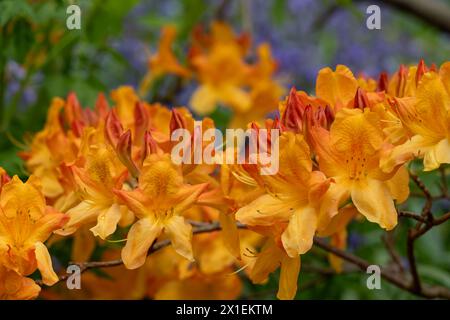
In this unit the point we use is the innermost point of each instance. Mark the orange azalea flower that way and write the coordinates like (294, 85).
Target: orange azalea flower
(158, 202)
(404, 82)
(164, 61)
(298, 106)
(337, 231)
(113, 284)
(223, 285)
(350, 154)
(95, 183)
(125, 99)
(430, 105)
(25, 223)
(221, 71)
(16, 287)
(271, 257)
(220, 32)
(336, 87)
(293, 195)
(46, 153)
(264, 91)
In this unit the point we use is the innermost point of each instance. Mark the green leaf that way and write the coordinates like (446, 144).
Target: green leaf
(10, 9)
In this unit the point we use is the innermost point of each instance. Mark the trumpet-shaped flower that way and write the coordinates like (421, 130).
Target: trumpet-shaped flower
(16, 287)
(158, 202)
(336, 87)
(292, 196)
(25, 223)
(218, 59)
(164, 61)
(271, 257)
(350, 154)
(221, 73)
(426, 118)
(95, 183)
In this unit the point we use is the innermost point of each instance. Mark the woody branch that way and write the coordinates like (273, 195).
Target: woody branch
(395, 279)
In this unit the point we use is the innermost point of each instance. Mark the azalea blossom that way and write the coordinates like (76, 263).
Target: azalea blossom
(158, 203)
(25, 224)
(350, 154)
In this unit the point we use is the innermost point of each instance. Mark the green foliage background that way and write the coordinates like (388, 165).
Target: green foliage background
(85, 61)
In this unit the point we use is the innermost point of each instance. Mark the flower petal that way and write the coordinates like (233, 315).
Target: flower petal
(264, 211)
(180, 234)
(140, 238)
(44, 264)
(399, 185)
(329, 207)
(204, 100)
(230, 234)
(442, 151)
(298, 236)
(85, 212)
(51, 221)
(373, 200)
(267, 262)
(287, 287)
(340, 221)
(107, 221)
(134, 200)
(336, 87)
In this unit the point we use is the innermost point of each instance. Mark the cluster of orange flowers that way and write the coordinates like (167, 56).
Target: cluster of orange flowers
(219, 61)
(105, 173)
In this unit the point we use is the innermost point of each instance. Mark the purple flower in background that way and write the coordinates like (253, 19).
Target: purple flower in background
(15, 74)
(303, 38)
(355, 240)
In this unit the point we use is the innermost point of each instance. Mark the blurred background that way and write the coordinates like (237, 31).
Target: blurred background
(40, 58)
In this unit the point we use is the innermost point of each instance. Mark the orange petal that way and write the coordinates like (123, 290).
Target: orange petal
(373, 200)
(287, 287)
(107, 221)
(180, 234)
(298, 236)
(140, 238)
(44, 264)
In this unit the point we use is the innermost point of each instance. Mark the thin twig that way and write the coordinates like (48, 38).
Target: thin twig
(388, 239)
(428, 197)
(84, 266)
(412, 215)
(427, 292)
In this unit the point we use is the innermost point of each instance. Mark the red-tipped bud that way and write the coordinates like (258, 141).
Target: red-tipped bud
(433, 67)
(310, 119)
(383, 82)
(276, 124)
(141, 120)
(113, 128)
(123, 151)
(254, 126)
(77, 128)
(4, 178)
(150, 145)
(101, 106)
(421, 69)
(361, 101)
(402, 77)
(321, 118)
(67, 175)
(329, 115)
(72, 110)
(176, 121)
(292, 118)
(90, 116)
